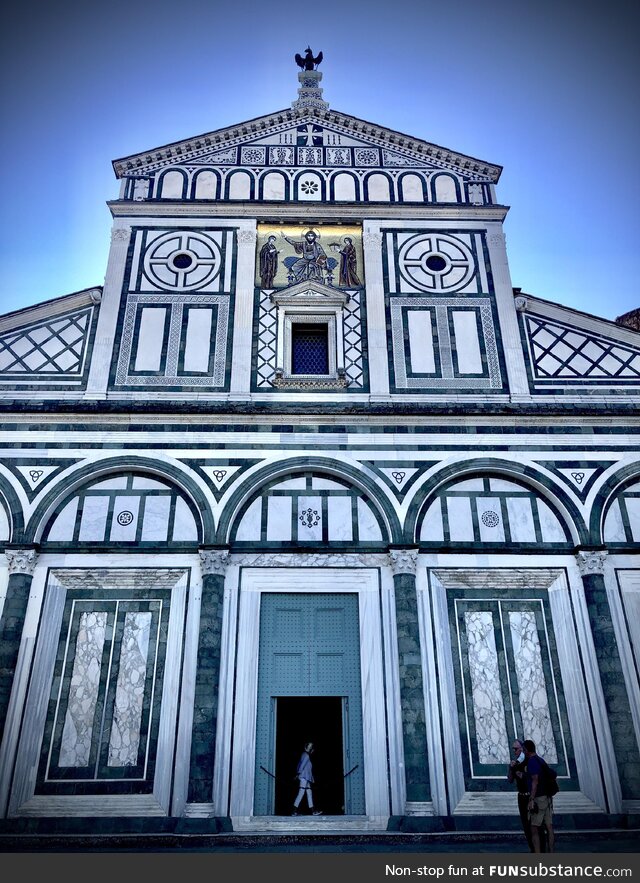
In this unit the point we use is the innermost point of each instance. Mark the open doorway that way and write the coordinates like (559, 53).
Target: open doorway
(316, 719)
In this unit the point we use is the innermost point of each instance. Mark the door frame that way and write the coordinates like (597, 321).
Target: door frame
(365, 582)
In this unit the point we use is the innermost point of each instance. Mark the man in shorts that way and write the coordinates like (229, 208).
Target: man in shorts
(540, 804)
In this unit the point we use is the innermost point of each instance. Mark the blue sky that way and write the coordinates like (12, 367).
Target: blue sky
(548, 90)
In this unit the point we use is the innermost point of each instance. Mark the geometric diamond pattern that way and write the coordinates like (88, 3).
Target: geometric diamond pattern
(352, 335)
(53, 347)
(561, 352)
(267, 339)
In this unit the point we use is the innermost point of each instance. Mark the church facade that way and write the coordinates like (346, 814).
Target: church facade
(308, 467)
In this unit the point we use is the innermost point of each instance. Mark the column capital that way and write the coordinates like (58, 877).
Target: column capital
(247, 237)
(372, 240)
(214, 561)
(591, 562)
(21, 560)
(403, 561)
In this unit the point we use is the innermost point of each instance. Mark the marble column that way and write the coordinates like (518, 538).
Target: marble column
(22, 563)
(591, 565)
(414, 733)
(213, 563)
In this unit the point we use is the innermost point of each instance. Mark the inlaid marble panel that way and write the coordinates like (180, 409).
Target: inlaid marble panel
(532, 687)
(127, 714)
(488, 708)
(75, 746)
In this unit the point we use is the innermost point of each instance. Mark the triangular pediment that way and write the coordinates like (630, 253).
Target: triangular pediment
(309, 293)
(308, 137)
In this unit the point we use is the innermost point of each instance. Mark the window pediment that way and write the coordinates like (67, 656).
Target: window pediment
(310, 294)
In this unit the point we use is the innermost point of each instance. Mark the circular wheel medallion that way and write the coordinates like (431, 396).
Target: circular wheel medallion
(432, 262)
(183, 260)
(490, 519)
(125, 517)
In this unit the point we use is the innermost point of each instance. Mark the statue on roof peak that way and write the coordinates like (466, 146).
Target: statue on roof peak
(308, 62)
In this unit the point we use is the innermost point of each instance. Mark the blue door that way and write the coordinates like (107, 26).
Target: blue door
(309, 690)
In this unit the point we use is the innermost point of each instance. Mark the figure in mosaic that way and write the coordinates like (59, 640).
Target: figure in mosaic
(268, 262)
(304, 775)
(348, 263)
(312, 262)
(308, 63)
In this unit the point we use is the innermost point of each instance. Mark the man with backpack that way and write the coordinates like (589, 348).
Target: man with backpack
(540, 796)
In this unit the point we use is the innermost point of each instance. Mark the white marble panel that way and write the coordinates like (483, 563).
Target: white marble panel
(206, 186)
(279, 518)
(488, 708)
(141, 482)
(423, 359)
(295, 484)
(125, 510)
(551, 528)
(249, 527)
(633, 511)
(150, 339)
(172, 184)
(63, 527)
(470, 484)
(465, 324)
(460, 520)
(184, 525)
(325, 484)
(532, 687)
(273, 186)
(499, 484)
(412, 189)
(445, 189)
(75, 743)
(130, 687)
(340, 518)
(521, 524)
(4, 525)
(94, 519)
(432, 529)
(155, 521)
(613, 525)
(197, 347)
(309, 518)
(239, 186)
(111, 484)
(344, 188)
(368, 527)
(378, 188)
(490, 519)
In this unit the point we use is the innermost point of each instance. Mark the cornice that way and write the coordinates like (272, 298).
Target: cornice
(315, 212)
(519, 417)
(193, 148)
(85, 298)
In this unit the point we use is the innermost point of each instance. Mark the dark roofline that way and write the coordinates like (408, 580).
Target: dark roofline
(518, 292)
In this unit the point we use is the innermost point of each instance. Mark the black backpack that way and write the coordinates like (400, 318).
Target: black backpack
(549, 784)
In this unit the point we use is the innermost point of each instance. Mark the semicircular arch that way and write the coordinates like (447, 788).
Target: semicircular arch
(261, 481)
(535, 482)
(611, 514)
(172, 472)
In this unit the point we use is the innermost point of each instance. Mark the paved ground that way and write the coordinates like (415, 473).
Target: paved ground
(569, 842)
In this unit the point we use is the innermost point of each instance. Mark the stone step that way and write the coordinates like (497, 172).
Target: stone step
(309, 824)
